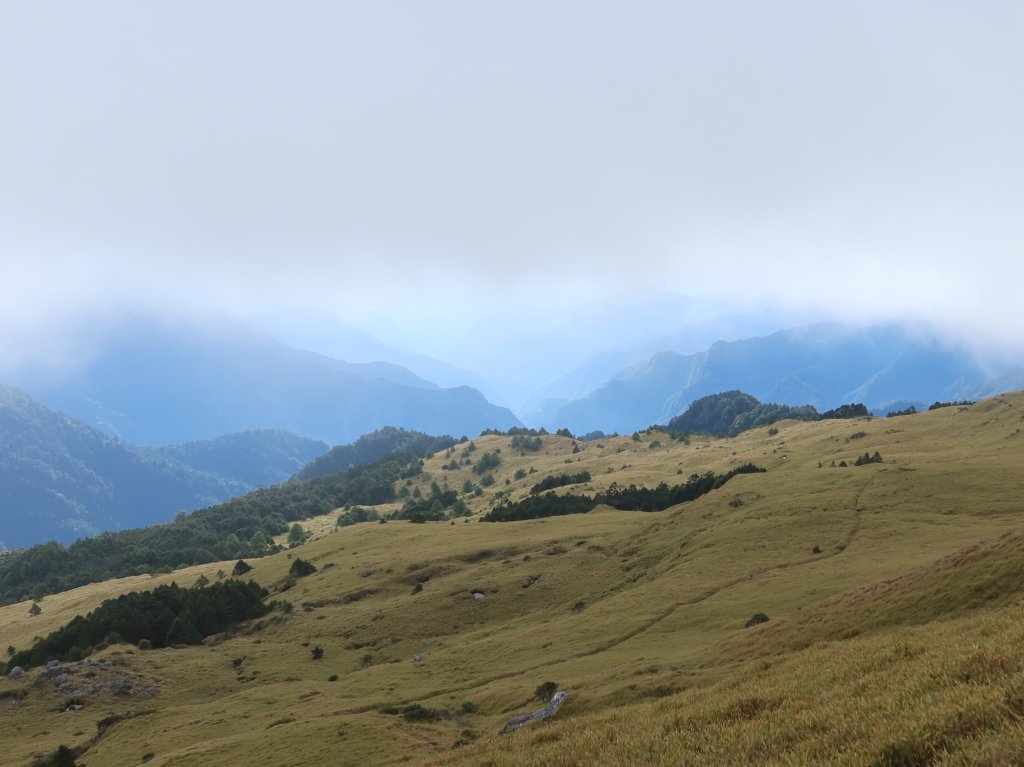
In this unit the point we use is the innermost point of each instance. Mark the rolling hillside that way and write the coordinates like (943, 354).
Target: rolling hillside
(371, 447)
(890, 589)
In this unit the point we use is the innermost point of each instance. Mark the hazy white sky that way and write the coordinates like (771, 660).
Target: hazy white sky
(389, 161)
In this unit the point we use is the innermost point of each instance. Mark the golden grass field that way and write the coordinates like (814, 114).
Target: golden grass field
(893, 591)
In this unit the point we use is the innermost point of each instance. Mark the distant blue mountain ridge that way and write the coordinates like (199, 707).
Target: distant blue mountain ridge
(822, 365)
(61, 479)
(156, 381)
(197, 386)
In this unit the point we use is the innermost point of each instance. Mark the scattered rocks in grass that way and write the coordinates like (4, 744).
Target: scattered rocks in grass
(94, 677)
(12, 698)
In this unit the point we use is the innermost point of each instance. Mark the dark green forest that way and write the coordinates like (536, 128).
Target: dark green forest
(853, 410)
(552, 481)
(166, 616)
(374, 446)
(732, 412)
(630, 498)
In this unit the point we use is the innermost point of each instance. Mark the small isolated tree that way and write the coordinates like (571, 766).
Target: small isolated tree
(317, 652)
(296, 536)
(202, 580)
(755, 619)
(241, 568)
(300, 568)
(35, 609)
(546, 691)
(63, 757)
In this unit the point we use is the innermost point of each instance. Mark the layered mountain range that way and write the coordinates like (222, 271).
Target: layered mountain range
(220, 406)
(822, 365)
(156, 381)
(62, 479)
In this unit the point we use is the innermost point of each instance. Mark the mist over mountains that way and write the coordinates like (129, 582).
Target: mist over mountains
(637, 358)
(157, 381)
(61, 479)
(222, 405)
(531, 352)
(611, 367)
(821, 365)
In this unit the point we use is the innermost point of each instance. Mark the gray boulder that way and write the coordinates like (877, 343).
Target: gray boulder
(550, 709)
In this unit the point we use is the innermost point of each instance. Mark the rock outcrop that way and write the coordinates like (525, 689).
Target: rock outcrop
(516, 722)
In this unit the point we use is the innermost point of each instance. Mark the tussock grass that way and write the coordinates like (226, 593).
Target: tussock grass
(948, 694)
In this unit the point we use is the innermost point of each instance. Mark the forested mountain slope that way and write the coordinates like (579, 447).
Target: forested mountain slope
(61, 479)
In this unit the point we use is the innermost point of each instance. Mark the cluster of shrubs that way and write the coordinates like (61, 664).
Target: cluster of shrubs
(355, 515)
(552, 481)
(631, 498)
(860, 461)
(300, 568)
(906, 411)
(166, 616)
(961, 403)
(732, 412)
(441, 505)
(486, 462)
(853, 410)
(526, 444)
(537, 506)
(911, 410)
(867, 458)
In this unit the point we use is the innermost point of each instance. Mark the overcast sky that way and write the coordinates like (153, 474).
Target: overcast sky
(391, 160)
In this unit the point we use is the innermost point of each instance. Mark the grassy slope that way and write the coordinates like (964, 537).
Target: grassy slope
(625, 607)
